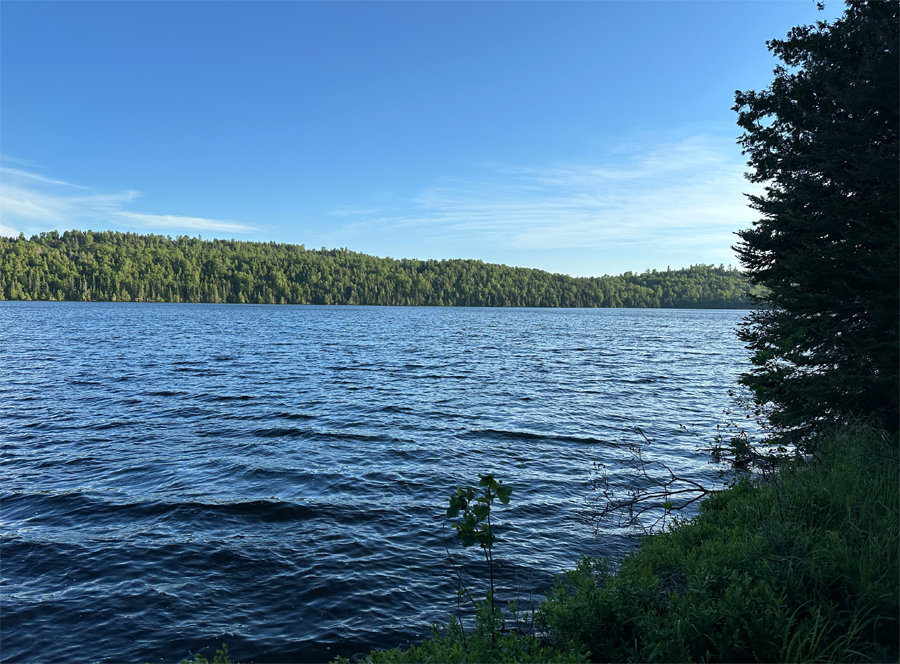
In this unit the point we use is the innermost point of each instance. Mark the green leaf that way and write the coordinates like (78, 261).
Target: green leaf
(503, 493)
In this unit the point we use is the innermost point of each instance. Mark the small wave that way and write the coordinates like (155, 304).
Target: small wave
(228, 397)
(115, 424)
(63, 508)
(266, 417)
(216, 433)
(361, 437)
(188, 411)
(645, 380)
(394, 409)
(500, 434)
(267, 511)
(280, 432)
(41, 426)
(295, 432)
(289, 416)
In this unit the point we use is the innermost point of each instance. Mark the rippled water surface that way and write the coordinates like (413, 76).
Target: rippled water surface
(175, 476)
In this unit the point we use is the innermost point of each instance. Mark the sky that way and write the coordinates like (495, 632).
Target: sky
(585, 138)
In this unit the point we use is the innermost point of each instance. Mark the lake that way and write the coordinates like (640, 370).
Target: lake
(177, 475)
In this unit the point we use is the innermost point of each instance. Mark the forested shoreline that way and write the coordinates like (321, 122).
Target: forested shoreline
(127, 267)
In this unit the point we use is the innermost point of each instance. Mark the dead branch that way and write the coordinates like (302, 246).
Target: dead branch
(646, 495)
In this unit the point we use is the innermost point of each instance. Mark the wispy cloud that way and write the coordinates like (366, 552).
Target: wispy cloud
(190, 223)
(19, 173)
(347, 211)
(31, 202)
(686, 192)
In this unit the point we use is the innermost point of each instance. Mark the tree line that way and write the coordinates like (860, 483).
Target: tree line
(128, 267)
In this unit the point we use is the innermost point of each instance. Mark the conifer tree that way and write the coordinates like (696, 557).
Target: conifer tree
(823, 137)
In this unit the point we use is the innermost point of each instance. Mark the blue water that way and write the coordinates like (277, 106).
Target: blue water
(174, 475)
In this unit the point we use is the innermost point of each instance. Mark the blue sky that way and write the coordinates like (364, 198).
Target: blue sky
(585, 138)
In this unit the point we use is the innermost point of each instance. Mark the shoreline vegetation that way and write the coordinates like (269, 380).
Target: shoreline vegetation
(110, 266)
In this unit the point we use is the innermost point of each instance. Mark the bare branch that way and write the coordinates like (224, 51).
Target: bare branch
(646, 496)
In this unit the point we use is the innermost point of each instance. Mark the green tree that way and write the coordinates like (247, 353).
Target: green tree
(110, 266)
(823, 136)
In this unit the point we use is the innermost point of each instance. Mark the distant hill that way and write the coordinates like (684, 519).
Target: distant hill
(127, 267)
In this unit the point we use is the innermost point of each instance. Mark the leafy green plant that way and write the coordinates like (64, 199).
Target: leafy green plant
(451, 643)
(473, 505)
(488, 641)
(221, 657)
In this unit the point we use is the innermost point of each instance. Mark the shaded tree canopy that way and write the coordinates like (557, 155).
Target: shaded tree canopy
(109, 266)
(823, 136)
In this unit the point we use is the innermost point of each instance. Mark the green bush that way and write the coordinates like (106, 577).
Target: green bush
(221, 657)
(486, 643)
(801, 568)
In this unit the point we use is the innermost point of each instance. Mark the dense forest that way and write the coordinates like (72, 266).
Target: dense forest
(127, 267)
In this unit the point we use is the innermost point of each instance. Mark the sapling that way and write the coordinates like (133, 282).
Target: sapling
(473, 504)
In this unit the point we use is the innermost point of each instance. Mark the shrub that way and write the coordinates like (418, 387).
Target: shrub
(801, 567)
(486, 643)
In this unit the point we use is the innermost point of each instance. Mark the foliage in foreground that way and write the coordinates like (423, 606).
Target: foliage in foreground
(221, 657)
(803, 567)
(485, 643)
(489, 641)
(125, 267)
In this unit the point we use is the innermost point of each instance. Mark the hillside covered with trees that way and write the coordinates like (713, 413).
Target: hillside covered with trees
(126, 267)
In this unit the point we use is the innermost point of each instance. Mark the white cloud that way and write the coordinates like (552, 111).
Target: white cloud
(6, 231)
(188, 223)
(32, 202)
(347, 211)
(16, 172)
(688, 193)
